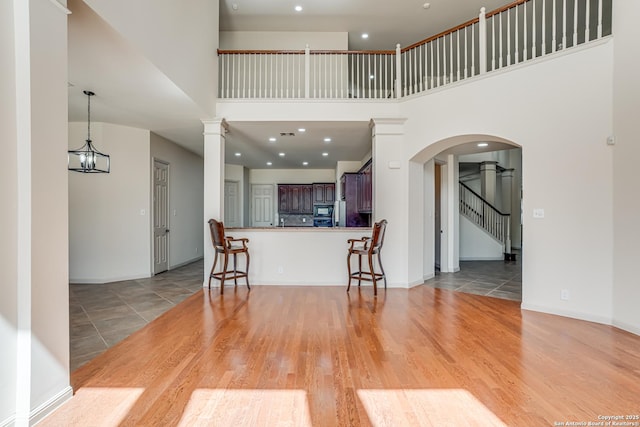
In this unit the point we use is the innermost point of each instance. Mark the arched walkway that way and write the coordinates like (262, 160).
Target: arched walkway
(459, 254)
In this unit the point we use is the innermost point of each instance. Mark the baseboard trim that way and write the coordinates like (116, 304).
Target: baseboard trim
(182, 264)
(103, 280)
(9, 422)
(634, 329)
(567, 313)
(481, 258)
(50, 405)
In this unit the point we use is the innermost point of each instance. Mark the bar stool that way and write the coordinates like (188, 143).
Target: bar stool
(368, 246)
(227, 246)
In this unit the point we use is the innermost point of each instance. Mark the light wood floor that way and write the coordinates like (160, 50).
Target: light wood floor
(317, 356)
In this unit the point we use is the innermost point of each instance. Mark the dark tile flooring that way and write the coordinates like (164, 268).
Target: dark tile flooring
(102, 315)
(498, 279)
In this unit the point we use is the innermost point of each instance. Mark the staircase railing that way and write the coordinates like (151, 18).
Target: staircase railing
(485, 216)
(517, 32)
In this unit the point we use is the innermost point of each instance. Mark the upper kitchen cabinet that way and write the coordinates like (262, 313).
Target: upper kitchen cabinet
(295, 199)
(324, 193)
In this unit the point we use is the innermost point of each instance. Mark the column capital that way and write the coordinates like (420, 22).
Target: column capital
(217, 126)
(387, 126)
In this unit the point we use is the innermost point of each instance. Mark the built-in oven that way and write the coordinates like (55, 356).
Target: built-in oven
(323, 215)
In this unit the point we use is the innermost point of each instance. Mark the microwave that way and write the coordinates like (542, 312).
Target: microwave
(323, 211)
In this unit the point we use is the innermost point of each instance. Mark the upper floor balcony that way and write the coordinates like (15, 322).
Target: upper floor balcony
(513, 34)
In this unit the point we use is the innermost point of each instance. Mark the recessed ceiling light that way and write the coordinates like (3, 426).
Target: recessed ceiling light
(483, 144)
(426, 5)
(302, 130)
(327, 139)
(365, 35)
(238, 154)
(234, 6)
(325, 154)
(281, 154)
(371, 76)
(272, 139)
(269, 163)
(298, 8)
(305, 163)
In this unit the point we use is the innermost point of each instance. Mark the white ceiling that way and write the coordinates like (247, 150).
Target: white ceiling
(131, 91)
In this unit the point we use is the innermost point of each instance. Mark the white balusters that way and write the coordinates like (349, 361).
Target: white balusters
(512, 39)
(564, 24)
(587, 15)
(553, 28)
(599, 18)
(544, 26)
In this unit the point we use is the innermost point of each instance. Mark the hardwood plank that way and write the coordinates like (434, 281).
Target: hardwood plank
(317, 356)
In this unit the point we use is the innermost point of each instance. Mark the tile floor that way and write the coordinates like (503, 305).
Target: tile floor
(497, 279)
(102, 315)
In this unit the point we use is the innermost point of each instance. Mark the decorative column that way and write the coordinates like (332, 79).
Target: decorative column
(214, 138)
(450, 219)
(507, 191)
(488, 178)
(391, 195)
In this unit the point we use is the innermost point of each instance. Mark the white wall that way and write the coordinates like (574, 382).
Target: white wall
(526, 101)
(571, 247)
(283, 40)
(291, 176)
(34, 307)
(297, 257)
(8, 216)
(110, 228)
(476, 244)
(626, 152)
(182, 43)
(186, 205)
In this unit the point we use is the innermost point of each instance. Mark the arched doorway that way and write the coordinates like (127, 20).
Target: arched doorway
(472, 215)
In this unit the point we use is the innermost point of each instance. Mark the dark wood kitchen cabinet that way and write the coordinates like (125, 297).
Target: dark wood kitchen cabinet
(349, 214)
(324, 193)
(295, 199)
(365, 184)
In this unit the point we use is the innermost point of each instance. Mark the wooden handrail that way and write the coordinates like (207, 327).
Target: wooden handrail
(301, 52)
(260, 52)
(442, 34)
(383, 52)
(346, 52)
(380, 52)
(483, 200)
(506, 7)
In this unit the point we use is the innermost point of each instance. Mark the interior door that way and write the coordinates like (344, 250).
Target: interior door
(232, 204)
(160, 216)
(262, 208)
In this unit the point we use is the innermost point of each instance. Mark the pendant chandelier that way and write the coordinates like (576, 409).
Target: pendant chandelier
(88, 159)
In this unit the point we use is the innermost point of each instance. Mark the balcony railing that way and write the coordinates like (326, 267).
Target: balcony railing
(513, 34)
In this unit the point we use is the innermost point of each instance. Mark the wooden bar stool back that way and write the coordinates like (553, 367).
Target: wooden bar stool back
(368, 247)
(226, 246)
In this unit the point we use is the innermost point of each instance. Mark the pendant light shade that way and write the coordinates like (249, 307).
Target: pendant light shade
(88, 159)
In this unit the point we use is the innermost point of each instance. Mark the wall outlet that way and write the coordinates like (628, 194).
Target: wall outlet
(280, 269)
(538, 213)
(196, 250)
(564, 295)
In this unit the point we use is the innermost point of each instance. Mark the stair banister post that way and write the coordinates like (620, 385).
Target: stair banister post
(507, 242)
(482, 40)
(307, 71)
(398, 71)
